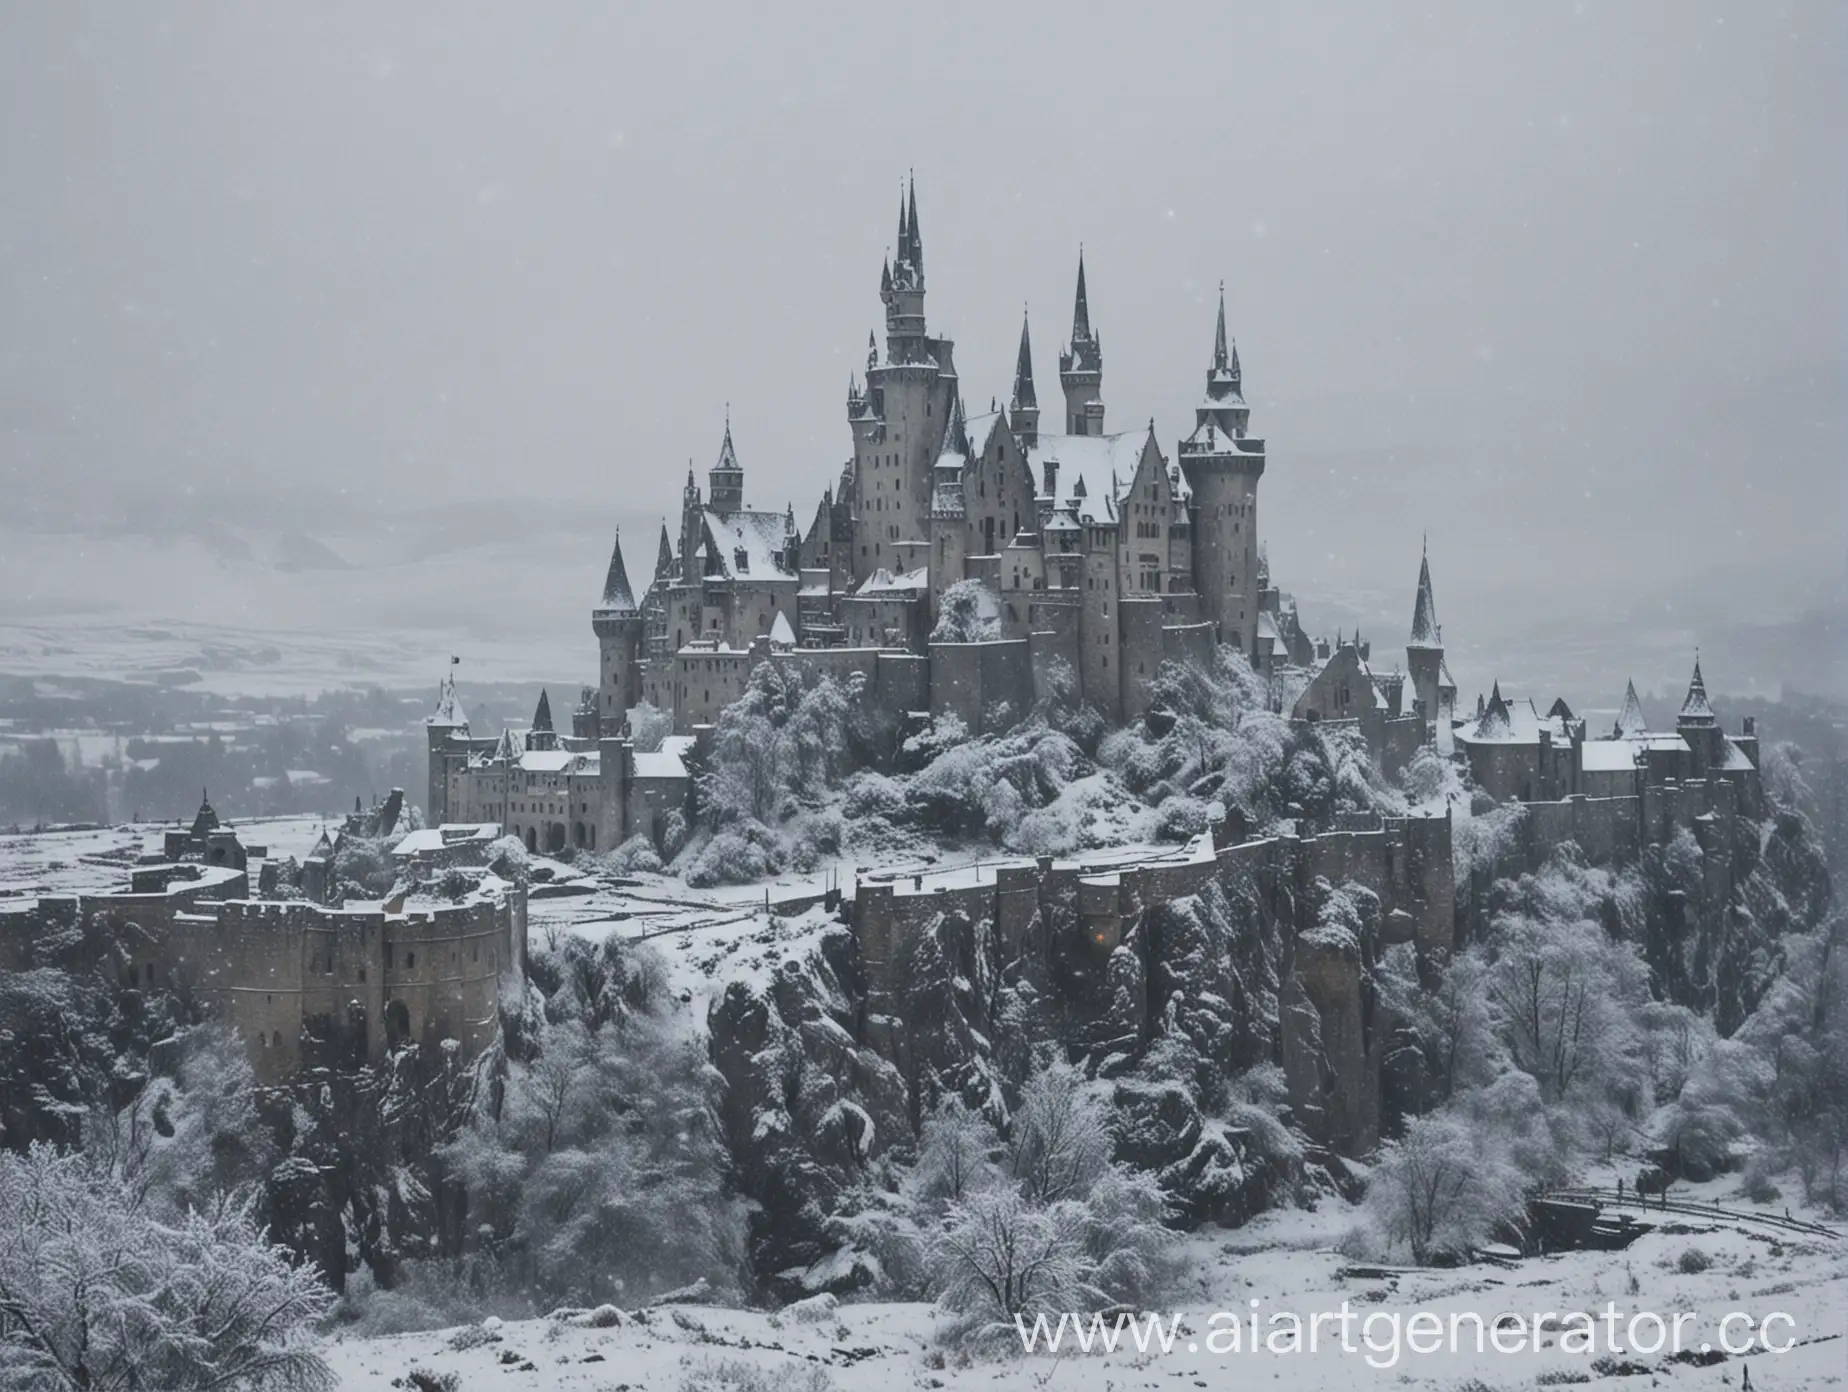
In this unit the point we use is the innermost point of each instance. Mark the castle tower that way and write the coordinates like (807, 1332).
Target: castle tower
(1630, 721)
(692, 524)
(448, 719)
(727, 476)
(1223, 465)
(1081, 368)
(899, 421)
(617, 622)
(1023, 409)
(1424, 656)
(1699, 726)
(542, 735)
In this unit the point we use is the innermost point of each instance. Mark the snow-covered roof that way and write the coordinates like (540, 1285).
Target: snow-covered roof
(1735, 760)
(1086, 466)
(448, 709)
(618, 598)
(781, 634)
(1267, 626)
(1696, 710)
(667, 762)
(900, 585)
(448, 834)
(1425, 630)
(547, 760)
(1607, 756)
(751, 545)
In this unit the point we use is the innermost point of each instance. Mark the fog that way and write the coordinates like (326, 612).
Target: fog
(455, 290)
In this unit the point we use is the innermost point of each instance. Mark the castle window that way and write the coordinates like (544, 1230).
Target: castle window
(410, 960)
(276, 1038)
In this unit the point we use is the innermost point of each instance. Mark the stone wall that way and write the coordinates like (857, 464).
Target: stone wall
(1066, 925)
(974, 681)
(304, 984)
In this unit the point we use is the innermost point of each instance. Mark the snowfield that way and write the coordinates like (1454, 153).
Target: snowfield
(1285, 1260)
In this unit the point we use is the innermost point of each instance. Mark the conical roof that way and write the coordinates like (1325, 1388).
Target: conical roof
(1630, 719)
(617, 596)
(1695, 710)
(1024, 396)
(1425, 630)
(542, 713)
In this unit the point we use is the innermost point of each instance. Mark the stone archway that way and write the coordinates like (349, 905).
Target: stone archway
(532, 840)
(555, 838)
(397, 1022)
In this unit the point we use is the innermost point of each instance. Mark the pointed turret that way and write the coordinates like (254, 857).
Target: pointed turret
(1425, 630)
(1219, 333)
(1695, 710)
(1630, 720)
(916, 248)
(664, 555)
(618, 598)
(727, 475)
(542, 713)
(449, 712)
(1081, 367)
(1024, 395)
(1023, 407)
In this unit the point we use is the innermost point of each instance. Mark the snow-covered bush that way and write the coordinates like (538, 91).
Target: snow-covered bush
(967, 612)
(637, 855)
(648, 726)
(97, 1293)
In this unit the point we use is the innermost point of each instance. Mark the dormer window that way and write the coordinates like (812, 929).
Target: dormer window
(741, 560)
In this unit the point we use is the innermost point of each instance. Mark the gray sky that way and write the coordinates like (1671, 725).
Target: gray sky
(1564, 284)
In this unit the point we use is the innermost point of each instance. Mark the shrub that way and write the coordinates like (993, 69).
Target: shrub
(1692, 1262)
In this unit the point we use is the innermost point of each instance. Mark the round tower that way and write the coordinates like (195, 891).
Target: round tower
(1223, 465)
(617, 622)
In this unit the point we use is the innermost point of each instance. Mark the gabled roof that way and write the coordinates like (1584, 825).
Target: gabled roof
(1086, 465)
(781, 634)
(748, 545)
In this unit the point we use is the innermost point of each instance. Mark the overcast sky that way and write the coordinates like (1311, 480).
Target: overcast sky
(1564, 284)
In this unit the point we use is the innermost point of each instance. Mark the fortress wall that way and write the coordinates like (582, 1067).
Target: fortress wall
(1143, 647)
(903, 682)
(302, 983)
(972, 679)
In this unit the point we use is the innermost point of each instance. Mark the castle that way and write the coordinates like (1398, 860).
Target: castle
(1098, 558)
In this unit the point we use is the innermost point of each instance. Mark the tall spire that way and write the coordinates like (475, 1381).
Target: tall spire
(617, 596)
(1696, 710)
(542, 713)
(1023, 369)
(916, 254)
(1081, 307)
(904, 233)
(1426, 631)
(664, 556)
(1219, 334)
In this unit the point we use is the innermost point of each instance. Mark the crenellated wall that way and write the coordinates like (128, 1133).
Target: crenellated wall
(304, 984)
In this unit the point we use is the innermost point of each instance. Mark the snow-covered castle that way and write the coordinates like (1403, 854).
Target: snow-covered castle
(1097, 557)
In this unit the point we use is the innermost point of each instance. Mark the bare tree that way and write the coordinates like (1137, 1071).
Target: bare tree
(95, 1294)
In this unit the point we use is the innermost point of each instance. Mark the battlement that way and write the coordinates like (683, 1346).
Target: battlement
(305, 984)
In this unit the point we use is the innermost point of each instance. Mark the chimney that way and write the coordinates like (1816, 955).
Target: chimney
(1052, 478)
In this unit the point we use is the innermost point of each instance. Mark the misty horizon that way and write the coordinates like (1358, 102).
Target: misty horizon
(1562, 291)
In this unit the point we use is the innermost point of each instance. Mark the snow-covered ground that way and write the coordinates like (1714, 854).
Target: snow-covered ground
(1284, 1261)
(89, 862)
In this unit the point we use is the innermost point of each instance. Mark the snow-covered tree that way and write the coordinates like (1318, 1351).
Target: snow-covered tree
(95, 1293)
(1442, 1188)
(967, 613)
